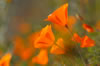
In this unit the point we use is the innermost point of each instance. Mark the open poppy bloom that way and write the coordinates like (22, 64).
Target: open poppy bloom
(41, 58)
(87, 42)
(45, 39)
(76, 38)
(59, 48)
(88, 28)
(59, 16)
(5, 60)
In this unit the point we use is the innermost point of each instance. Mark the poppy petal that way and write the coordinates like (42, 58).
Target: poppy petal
(41, 58)
(87, 42)
(5, 60)
(88, 28)
(76, 38)
(58, 49)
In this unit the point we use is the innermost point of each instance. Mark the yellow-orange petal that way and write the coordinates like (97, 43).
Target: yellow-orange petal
(87, 42)
(76, 38)
(41, 58)
(5, 60)
(88, 28)
(59, 48)
(45, 39)
(59, 16)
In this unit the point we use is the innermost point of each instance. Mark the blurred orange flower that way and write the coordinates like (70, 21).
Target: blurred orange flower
(24, 28)
(21, 50)
(76, 38)
(45, 38)
(18, 45)
(5, 60)
(59, 48)
(1, 52)
(41, 58)
(88, 28)
(87, 42)
(98, 25)
(33, 37)
(26, 53)
(9, 1)
(59, 16)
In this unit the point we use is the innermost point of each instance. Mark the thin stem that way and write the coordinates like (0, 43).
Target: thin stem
(60, 47)
(63, 64)
(95, 53)
(76, 46)
(80, 18)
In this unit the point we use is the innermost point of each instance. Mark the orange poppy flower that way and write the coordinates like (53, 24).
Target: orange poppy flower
(41, 58)
(76, 38)
(5, 60)
(88, 28)
(87, 42)
(58, 49)
(59, 16)
(45, 39)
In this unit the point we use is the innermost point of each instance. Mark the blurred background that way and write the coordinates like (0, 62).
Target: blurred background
(19, 19)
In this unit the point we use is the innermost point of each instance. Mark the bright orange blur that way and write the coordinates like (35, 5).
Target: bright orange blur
(5, 60)
(41, 58)
(59, 48)
(87, 42)
(76, 38)
(88, 28)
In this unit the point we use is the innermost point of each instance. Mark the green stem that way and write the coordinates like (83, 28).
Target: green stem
(77, 47)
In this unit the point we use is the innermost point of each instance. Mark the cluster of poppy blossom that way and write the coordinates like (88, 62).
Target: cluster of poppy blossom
(45, 39)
